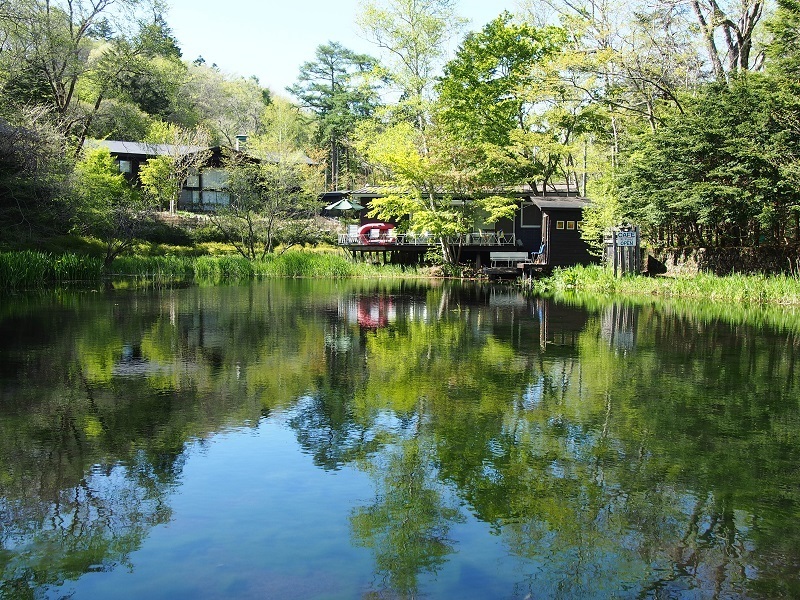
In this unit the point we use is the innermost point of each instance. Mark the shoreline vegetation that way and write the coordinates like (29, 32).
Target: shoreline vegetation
(757, 289)
(29, 269)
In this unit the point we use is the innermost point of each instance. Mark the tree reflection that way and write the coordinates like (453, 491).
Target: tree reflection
(408, 523)
(99, 401)
(627, 451)
(613, 472)
(92, 526)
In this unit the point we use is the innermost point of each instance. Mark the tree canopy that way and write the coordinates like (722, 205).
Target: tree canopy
(680, 115)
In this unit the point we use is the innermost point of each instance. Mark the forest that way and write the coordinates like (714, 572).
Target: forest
(682, 116)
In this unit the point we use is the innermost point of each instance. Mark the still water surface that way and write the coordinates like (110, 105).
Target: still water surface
(298, 439)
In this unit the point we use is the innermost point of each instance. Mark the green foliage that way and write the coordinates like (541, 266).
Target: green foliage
(108, 207)
(339, 86)
(425, 170)
(784, 48)
(492, 93)
(157, 179)
(101, 182)
(28, 269)
(415, 37)
(730, 289)
(714, 175)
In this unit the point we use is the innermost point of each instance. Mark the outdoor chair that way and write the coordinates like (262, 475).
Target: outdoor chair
(538, 256)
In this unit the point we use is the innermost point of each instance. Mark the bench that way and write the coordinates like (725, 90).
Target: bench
(508, 259)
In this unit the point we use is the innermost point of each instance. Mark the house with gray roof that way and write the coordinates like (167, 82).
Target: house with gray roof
(203, 190)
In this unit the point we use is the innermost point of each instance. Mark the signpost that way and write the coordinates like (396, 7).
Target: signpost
(624, 246)
(627, 238)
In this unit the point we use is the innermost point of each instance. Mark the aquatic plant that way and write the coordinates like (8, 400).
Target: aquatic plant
(29, 269)
(737, 288)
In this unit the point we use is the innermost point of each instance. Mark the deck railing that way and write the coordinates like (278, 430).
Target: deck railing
(481, 238)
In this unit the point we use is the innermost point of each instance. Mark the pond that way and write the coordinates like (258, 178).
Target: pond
(323, 439)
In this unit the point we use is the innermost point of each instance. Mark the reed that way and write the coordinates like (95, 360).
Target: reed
(298, 263)
(29, 269)
(223, 269)
(159, 267)
(737, 288)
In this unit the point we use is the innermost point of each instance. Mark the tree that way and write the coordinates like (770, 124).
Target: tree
(153, 83)
(285, 127)
(34, 174)
(414, 34)
(716, 174)
(736, 23)
(427, 175)
(270, 204)
(109, 208)
(498, 90)
(183, 152)
(159, 181)
(58, 46)
(339, 88)
(784, 49)
(224, 106)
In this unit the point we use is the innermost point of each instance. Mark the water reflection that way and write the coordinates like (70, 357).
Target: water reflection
(514, 446)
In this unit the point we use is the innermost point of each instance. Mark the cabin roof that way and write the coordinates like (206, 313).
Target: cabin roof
(143, 148)
(120, 147)
(559, 202)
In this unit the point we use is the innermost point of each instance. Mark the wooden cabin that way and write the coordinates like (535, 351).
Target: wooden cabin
(204, 189)
(550, 222)
(560, 231)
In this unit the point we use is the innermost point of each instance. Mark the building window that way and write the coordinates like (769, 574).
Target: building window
(480, 221)
(531, 215)
(124, 166)
(214, 179)
(559, 224)
(571, 225)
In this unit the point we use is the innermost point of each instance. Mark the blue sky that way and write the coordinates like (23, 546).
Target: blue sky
(272, 39)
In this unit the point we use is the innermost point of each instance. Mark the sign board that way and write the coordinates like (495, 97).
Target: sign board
(626, 238)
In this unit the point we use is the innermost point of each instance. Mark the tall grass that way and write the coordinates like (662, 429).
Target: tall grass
(28, 269)
(221, 269)
(161, 267)
(295, 263)
(742, 289)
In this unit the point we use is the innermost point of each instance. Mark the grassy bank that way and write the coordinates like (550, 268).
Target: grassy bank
(28, 269)
(739, 289)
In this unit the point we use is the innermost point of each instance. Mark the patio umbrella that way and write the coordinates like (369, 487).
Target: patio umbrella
(343, 205)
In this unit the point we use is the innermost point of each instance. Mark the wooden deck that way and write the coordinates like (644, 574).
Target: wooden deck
(481, 240)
